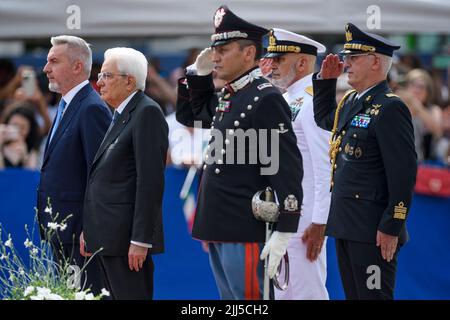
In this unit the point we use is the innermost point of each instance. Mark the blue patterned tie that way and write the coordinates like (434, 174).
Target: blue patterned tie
(61, 107)
(114, 117)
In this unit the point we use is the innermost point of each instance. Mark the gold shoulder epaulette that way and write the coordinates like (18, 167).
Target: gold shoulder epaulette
(390, 95)
(309, 90)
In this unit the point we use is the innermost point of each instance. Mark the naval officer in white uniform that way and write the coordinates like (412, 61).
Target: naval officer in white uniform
(293, 59)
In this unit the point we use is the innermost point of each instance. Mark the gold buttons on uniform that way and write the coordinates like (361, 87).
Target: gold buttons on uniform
(220, 161)
(236, 123)
(343, 132)
(354, 135)
(335, 166)
(357, 196)
(217, 171)
(340, 149)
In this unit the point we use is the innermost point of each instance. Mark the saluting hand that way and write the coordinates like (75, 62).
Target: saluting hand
(204, 63)
(314, 236)
(331, 67)
(136, 257)
(388, 245)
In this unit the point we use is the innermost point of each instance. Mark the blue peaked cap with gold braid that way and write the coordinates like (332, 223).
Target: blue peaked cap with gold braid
(358, 41)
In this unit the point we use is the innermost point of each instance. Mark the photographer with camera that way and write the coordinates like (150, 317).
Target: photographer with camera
(27, 87)
(19, 139)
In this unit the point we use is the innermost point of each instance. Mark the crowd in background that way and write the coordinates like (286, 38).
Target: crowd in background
(426, 93)
(27, 108)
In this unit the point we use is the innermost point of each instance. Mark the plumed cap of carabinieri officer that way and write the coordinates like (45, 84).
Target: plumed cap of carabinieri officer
(229, 27)
(358, 41)
(279, 41)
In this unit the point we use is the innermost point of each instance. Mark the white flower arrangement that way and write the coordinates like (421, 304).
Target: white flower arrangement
(43, 278)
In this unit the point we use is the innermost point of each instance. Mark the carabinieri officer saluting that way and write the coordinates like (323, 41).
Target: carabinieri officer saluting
(234, 172)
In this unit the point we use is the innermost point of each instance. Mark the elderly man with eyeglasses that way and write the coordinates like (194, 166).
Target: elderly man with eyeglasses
(123, 203)
(373, 164)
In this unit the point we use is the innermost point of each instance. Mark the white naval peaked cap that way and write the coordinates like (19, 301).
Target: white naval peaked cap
(279, 41)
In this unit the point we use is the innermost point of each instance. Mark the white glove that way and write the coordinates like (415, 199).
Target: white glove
(204, 63)
(276, 248)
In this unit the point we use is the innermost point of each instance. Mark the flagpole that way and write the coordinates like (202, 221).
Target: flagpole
(188, 182)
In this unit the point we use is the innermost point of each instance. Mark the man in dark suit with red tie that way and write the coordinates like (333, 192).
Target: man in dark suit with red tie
(123, 204)
(76, 134)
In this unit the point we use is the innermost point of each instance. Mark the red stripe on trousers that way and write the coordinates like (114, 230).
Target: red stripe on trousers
(251, 268)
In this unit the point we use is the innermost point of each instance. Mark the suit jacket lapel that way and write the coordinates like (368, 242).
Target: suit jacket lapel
(71, 110)
(119, 125)
(48, 136)
(363, 103)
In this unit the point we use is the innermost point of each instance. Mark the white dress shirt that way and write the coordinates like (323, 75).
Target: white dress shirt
(363, 93)
(124, 103)
(312, 142)
(68, 97)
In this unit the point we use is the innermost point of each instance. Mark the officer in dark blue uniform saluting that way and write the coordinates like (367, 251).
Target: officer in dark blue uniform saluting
(373, 164)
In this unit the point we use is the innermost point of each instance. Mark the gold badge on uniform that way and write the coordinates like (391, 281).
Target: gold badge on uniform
(272, 39)
(358, 152)
(375, 109)
(348, 150)
(348, 35)
(309, 90)
(400, 211)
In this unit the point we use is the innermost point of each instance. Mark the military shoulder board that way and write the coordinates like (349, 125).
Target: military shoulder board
(390, 95)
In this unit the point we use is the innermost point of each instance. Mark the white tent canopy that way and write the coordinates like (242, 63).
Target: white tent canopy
(128, 18)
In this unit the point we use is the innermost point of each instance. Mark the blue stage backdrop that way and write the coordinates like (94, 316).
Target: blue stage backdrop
(183, 271)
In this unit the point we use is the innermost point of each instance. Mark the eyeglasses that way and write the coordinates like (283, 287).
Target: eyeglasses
(109, 75)
(352, 57)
